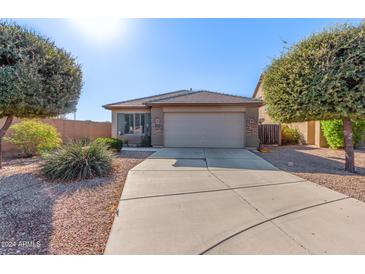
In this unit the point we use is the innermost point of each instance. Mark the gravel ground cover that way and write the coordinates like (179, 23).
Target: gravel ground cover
(40, 217)
(323, 166)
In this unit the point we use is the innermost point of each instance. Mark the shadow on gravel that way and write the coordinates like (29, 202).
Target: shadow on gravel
(308, 163)
(27, 211)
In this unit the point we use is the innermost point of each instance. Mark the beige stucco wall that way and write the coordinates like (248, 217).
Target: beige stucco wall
(320, 140)
(114, 124)
(311, 133)
(263, 116)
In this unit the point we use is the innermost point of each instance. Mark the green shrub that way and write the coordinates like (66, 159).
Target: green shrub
(76, 162)
(34, 137)
(289, 136)
(110, 143)
(333, 132)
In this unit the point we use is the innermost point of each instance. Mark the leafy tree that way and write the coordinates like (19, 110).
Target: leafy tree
(37, 79)
(321, 78)
(333, 132)
(34, 137)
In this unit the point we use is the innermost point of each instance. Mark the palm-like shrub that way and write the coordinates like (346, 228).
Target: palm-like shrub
(76, 162)
(34, 137)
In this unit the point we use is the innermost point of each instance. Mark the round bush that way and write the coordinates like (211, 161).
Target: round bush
(34, 137)
(333, 132)
(289, 136)
(110, 143)
(75, 162)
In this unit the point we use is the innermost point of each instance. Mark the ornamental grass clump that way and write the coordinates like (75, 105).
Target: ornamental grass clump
(77, 162)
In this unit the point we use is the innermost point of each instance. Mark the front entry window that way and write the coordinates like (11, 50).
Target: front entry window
(134, 123)
(138, 127)
(129, 124)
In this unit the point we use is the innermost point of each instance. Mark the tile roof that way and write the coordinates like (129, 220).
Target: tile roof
(204, 97)
(185, 97)
(140, 102)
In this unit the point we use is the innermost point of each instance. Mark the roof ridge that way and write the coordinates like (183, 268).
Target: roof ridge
(178, 95)
(146, 97)
(200, 91)
(227, 94)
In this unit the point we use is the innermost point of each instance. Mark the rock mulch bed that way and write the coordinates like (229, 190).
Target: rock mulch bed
(40, 217)
(321, 165)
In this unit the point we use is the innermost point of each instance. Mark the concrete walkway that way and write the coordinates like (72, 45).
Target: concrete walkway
(230, 201)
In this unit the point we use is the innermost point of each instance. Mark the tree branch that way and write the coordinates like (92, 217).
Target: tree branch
(4, 129)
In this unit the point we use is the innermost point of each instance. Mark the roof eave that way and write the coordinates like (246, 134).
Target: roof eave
(253, 103)
(109, 107)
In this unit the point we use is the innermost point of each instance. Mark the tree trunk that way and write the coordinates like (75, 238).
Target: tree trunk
(3, 130)
(349, 146)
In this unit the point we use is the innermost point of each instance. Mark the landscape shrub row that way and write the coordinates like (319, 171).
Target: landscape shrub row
(78, 159)
(333, 132)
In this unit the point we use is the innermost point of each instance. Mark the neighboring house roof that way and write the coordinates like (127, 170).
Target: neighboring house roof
(140, 102)
(257, 87)
(185, 97)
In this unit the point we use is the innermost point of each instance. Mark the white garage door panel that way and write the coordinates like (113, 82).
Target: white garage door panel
(204, 130)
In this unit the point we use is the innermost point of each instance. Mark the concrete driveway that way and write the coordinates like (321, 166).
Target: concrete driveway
(230, 201)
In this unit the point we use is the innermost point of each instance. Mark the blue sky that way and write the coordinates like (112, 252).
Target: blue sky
(128, 58)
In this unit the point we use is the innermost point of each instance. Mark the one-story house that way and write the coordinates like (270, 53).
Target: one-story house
(310, 131)
(187, 118)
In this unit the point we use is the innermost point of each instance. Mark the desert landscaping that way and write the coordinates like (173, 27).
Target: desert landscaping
(42, 217)
(323, 166)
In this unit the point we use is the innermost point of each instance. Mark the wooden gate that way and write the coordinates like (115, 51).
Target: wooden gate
(269, 134)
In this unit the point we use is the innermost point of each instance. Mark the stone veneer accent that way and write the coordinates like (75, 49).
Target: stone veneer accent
(251, 117)
(157, 123)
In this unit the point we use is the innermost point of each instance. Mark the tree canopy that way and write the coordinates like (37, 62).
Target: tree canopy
(320, 78)
(37, 79)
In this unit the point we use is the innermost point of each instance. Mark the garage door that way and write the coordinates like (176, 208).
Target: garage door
(204, 130)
